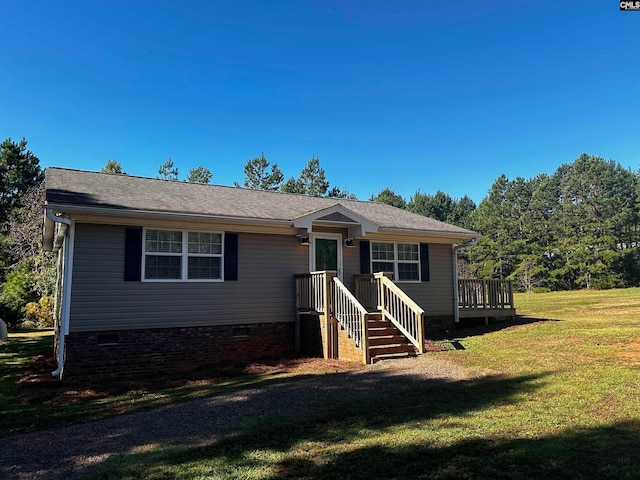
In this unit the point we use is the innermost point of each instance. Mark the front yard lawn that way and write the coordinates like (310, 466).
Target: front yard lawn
(556, 396)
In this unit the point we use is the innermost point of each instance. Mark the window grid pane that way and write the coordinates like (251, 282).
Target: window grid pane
(382, 251)
(383, 267)
(162, 267)
(163, 241)
(201, 268)
(408, 271)
(407, 251)
(204, 243)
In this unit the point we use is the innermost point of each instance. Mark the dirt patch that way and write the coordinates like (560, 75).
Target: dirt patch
(629, 352)
(37, 386)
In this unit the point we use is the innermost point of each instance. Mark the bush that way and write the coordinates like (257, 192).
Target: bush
(26, 325)
(541, 290)
(17, 291)
(40, 313)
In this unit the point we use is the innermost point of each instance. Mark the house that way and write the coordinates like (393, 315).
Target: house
(157, 275)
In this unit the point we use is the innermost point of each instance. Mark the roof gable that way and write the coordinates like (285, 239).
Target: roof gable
(358, 225)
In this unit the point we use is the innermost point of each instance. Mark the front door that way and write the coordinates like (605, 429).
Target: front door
(327, 253)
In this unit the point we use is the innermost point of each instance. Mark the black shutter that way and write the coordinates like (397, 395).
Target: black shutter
(230, 256)
(424, 262)
(133, 254)
(365, 264)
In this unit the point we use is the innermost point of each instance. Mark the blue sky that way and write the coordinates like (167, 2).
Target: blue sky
(402, 94)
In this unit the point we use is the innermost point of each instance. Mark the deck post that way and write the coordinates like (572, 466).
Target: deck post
(297, 334)
(484, 293)
(365, 339)
(511, 303)
(421, 334)
(328, 314)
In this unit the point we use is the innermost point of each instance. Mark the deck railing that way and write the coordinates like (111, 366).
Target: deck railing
(403, 312)
(485, 294)
(348, 311)
(367, 290)
(310, 292)
(350, 314)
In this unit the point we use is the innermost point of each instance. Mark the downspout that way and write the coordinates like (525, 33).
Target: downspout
(63, 326)
(455, 249)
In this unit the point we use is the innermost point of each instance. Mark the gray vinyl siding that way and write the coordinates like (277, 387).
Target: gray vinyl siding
(351, 265)
(435, 296)
(102, 300)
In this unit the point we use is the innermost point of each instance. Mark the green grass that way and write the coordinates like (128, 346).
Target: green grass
(555, 397)
(15, 354)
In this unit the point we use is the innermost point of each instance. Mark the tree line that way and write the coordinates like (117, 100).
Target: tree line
(576, 228)
(259, 173)
(27, 274)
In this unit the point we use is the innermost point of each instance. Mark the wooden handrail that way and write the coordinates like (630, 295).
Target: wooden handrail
(401, 310)
(351, 315)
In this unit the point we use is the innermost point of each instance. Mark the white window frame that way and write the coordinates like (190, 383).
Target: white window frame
(396, 261)
(184, 256)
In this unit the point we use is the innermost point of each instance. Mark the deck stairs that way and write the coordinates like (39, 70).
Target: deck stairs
(386, 341)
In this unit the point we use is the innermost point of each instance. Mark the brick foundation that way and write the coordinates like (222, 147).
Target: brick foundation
(347, 349)
(147, 352)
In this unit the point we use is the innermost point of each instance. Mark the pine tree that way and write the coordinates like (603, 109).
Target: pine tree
(258, 177)
(167, 171)
(200, 174)
(113, 167)
(388, 196)
(19, 171)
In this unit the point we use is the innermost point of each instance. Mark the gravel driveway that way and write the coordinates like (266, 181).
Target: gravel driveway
(75, 451)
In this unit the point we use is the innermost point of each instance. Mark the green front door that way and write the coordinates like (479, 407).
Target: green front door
(327, 253)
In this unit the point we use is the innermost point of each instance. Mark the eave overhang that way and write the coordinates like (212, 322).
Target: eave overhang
(126, 212)
(335, 215)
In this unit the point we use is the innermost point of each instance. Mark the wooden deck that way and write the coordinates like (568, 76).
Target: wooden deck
(485, 298)
(486, 312)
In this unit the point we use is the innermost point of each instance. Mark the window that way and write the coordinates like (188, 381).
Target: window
(401, 259)
(204, 256)
(181, 255)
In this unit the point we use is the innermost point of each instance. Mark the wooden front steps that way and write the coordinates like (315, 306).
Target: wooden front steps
(386, 341)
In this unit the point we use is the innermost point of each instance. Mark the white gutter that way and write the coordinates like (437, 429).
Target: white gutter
(455, 249)
(63, 327)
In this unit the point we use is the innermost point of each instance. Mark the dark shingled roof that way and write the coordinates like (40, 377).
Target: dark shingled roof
(76, 187)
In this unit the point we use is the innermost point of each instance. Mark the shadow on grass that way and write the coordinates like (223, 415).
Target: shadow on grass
(361, 408)
(602, 453)
(38, 401)
(16, 353)
(472, 327)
